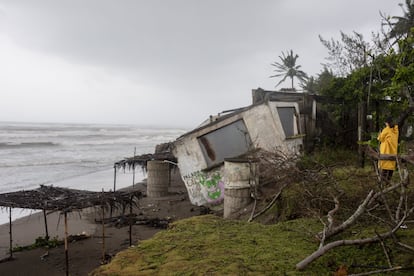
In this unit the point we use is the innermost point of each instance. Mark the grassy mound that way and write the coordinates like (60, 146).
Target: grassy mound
(209, 245)
(285, 234)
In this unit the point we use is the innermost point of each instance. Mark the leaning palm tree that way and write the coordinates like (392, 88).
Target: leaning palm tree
(402, 25)
(288, 69)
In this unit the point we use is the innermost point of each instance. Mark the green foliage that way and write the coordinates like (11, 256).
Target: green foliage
(373, 142)
(368, 73)
(327, 157)
(402, 25)
(348, 54)
(40, 242)
(404, 73)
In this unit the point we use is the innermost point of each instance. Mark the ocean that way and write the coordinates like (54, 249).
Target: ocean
(79, 156)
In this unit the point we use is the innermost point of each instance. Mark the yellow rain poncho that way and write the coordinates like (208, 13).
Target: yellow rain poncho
(389, 144)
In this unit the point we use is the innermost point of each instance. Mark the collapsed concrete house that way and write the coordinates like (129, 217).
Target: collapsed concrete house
(276, 121)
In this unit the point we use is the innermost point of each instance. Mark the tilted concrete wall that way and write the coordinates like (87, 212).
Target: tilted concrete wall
(266, 132)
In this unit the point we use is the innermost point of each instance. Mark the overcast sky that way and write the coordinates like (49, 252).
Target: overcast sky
(159, 62)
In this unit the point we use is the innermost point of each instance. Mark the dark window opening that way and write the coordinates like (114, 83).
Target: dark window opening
(226, 142)
(288, 119)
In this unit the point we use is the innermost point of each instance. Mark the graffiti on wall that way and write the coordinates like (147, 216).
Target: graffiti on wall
(210, 186)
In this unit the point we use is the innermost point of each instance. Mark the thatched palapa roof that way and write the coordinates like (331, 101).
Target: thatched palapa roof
(162, 153)
(63, 199)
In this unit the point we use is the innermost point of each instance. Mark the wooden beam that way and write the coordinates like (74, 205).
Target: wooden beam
(10, 233)
(103, 234)
(45, 220)
(66, 244)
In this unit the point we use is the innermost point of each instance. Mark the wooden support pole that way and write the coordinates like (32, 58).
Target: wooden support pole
(10, 233)
(46, 229)
(130, 221)
(133, 168)
(114, 178)
(66, 244)
(103, 233)
(362, 114)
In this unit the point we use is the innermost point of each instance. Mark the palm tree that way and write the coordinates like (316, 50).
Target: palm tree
(402, 24)
(288, 68)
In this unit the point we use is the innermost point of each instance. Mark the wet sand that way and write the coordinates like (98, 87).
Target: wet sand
(87, 254)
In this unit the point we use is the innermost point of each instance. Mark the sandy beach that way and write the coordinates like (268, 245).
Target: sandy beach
(86, 254)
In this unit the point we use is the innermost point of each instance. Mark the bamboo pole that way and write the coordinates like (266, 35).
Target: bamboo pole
(133, 168)
(10, 233)
(130, 221)
(114, 178)
(103, 233)
(66, 244)
(114, 188)
(46, 229)
(130, 199)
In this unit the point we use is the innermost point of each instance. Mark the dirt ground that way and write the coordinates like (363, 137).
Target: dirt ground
(87, 254)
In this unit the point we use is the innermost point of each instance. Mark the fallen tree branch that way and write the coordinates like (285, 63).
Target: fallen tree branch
(384, 200)
(378, 271)
(369, 199)
(305, 262)
(360, 210)
(253, 210)
(330, 221)
(403, 172)
(384, 191)
(267, 207)
(315, 255)
(332, 212)
(384, 249)
(406, 246)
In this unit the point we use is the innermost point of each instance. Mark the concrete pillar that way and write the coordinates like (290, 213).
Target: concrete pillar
(158, 178)
(241, 177)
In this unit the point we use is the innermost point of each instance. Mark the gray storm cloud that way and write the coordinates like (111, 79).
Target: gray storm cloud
(206, 55)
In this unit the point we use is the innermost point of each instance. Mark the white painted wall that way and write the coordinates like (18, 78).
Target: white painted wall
(266, 132)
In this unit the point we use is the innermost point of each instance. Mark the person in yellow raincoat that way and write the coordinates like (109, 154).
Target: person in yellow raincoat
(388, 145)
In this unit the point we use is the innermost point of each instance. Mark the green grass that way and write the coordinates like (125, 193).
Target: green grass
(40, 242)
(209, 245)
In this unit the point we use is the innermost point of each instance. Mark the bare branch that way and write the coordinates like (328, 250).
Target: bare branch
(403, 172)
(384, 191)
(332, 212)
(352, 218)
(330, 216)
(267, 207)
(305, 262)
(322, 239)
(406, 246)
(384, 249)
(378, 271)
